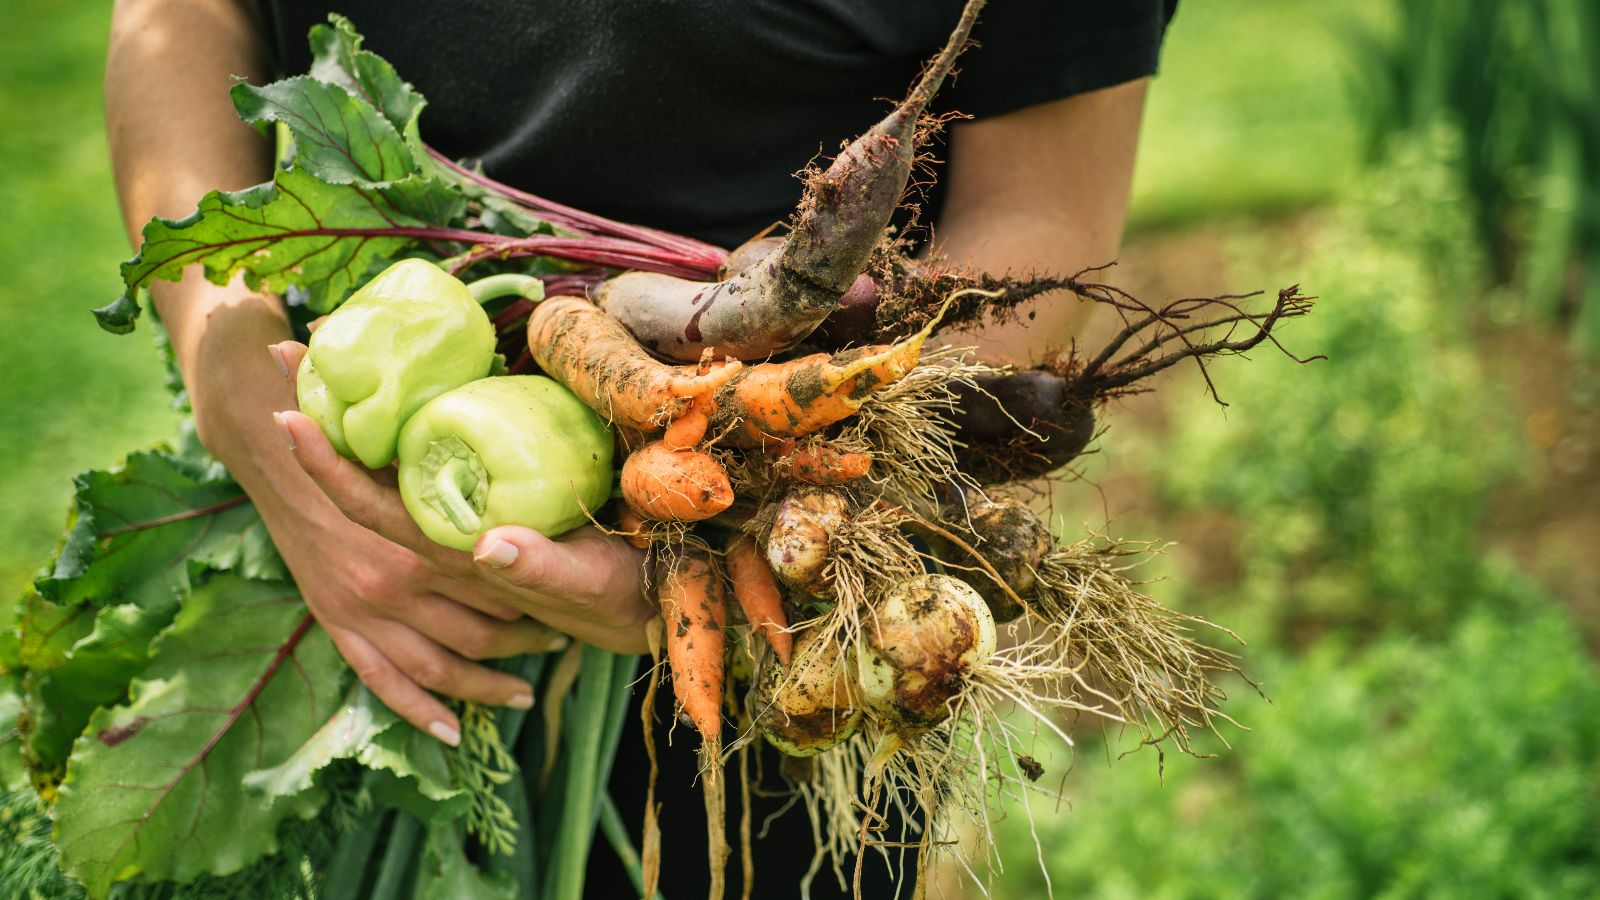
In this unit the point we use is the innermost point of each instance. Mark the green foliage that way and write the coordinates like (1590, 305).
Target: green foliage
(294, 231)
(154, 788)
(1444, 746)
(339, 138)
(1243, 95)
(408, 769)
(166, 688)
(1518, 80)
(140, 533)
(482, 764)
(1464, 768)
(109, 558)
(1358, 484)
(359, 170)
(445, 871)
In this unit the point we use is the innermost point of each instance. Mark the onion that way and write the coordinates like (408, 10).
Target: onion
(797, 547)
(808, 708)
(1014, 540)
(920, 643)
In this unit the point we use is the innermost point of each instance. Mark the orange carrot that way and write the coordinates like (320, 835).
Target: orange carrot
(595, 357)
(821, 463)
(675, 485)
(756, 589)
(631, 526)
(686, 430)
(694, 608)
(771, 402)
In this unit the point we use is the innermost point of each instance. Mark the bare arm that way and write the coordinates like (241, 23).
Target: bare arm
(173, 137)
(406, 618)
(1044, 188)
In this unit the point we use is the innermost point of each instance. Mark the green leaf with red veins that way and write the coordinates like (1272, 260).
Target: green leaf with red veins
(138, 528)
(296, 231)
(139, 532)
(338, 137)
(338, 58)
(154, 790)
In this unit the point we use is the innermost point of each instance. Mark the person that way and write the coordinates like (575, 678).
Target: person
(691, 117)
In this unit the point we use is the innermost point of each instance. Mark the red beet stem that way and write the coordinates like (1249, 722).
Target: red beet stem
(706, 258)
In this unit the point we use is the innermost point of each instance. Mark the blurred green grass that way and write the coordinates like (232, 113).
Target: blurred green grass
(1460, 768)
(1250, 115)
(73, 397)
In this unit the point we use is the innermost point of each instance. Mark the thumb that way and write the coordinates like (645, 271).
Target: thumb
(527, 559)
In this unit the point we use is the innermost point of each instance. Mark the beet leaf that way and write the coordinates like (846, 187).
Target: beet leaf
(295, 231)
(414, 772)
(140, 533)
(154, 790)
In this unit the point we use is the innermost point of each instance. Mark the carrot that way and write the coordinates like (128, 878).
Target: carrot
(756, 589)
(694, 607)
(821, 463)
(773, 303)
(695, 611)
(774, 402)
(631, 526)
(675, 485)
(686, 430)
(595, 357)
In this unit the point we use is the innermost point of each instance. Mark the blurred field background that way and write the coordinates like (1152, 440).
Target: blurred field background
(1407, 535)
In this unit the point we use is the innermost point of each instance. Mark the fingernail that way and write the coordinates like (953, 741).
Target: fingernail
(277, 356)
(520, 701)
(283, 426)
(498, 554)
(559, 643)
(444, 732)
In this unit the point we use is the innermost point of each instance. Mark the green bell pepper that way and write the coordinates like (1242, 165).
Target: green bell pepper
(404, 338)
(506, 450)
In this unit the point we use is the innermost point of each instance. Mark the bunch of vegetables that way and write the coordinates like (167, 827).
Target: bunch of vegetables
(832, 498)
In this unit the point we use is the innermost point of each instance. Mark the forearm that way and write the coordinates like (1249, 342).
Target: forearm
(235, 386)
(1043, 189)
(174, 136)
(172, 131)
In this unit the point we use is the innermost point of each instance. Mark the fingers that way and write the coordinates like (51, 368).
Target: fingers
(376, 506)
(288, 354)
(433, 667)
(395, 689)
(350, 487)
(477, 636)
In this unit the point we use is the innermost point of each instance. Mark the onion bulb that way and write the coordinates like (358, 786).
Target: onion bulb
(919, 645)
(807, 708)
(797, 547)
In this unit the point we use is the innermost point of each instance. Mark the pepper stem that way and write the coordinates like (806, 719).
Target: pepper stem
(451, 499)
(456, 485)
(507, 285)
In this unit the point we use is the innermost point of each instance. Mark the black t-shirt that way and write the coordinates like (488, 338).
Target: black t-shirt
(694, 115)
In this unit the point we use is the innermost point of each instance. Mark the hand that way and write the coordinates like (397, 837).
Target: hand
(585, 583)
